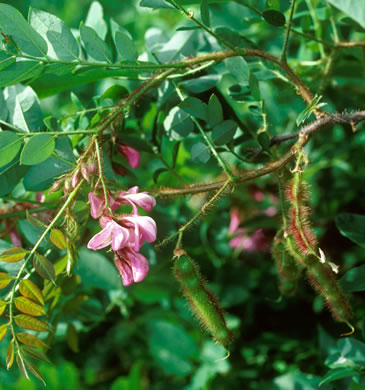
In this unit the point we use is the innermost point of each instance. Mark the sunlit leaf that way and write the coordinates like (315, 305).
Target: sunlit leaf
(3, 329)
(31, 340)
(10, 355)
(30, 290)
(27, 306)
(27, 322)
(58, 238)
(13, 255)
(3, 305)
(5, 279)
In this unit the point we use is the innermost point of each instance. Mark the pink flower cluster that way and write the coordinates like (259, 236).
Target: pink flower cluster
(241, 240)
(125, 233)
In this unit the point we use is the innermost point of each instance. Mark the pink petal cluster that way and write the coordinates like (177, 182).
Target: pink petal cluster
(125, 233)
(241, 240)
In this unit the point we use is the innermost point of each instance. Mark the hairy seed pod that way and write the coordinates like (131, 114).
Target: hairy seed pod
(323, 280)
(301, 244)
(288, 267)
(202, 302)
(299, 225)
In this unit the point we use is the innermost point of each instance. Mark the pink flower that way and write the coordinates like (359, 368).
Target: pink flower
(256, 242)
(235, 220)
(133, 266)
(132, 155)
(241, 240)
(141, 229)
(97, 204)
(15, 238)
(112, 233)
(133, 197)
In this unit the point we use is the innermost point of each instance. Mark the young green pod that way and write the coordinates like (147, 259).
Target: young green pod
(201, 301)
(289, 269)
(323, 280)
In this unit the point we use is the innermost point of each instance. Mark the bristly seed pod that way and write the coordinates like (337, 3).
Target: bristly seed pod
(301, 244)
(202, 302)
(288, 267)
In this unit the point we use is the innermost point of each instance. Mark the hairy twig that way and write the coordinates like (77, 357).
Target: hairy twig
(304, 135)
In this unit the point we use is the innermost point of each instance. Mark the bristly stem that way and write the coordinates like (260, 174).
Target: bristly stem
(101, 173)
(287, 34)
(209, 203)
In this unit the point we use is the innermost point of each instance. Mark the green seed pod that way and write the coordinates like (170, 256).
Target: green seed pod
(288, 267)
(323, 280)
(201, 301)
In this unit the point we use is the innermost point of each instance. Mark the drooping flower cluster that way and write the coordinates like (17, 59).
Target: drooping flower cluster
(125, 233)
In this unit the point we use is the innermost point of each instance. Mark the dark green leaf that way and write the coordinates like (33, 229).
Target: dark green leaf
(39, 177)
(11, 177)
(61, 42)
(6, 60)
(254, 87)
(97, 271)
(115, 92)
(178, 124)
(273, 17)
(171, 346)
(200, 153)
(157, 173)
(215, 111)
(10, 145)
(19, 72)
(354, 279)
(238, 68)
(25, 37)
(201, 84)
(44, 268)
(204, 12)
(155, 4)
(37, 149)
(95, 47)
(125, 47)
(352, 226)
(195, 107)
(224, 132)
(264, 141)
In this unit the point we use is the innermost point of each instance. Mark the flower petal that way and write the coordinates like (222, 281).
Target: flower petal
(125, 270)
(139, 265)
(97, 205)
(120, 237)
(132, 155)
(101, 239)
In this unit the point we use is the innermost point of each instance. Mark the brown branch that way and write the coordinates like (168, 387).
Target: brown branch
(351, 44)
(304, 135)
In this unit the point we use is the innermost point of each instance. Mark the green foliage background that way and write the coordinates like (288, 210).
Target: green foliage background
(143, 336)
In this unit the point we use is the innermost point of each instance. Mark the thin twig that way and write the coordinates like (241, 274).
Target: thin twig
(304, 135)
